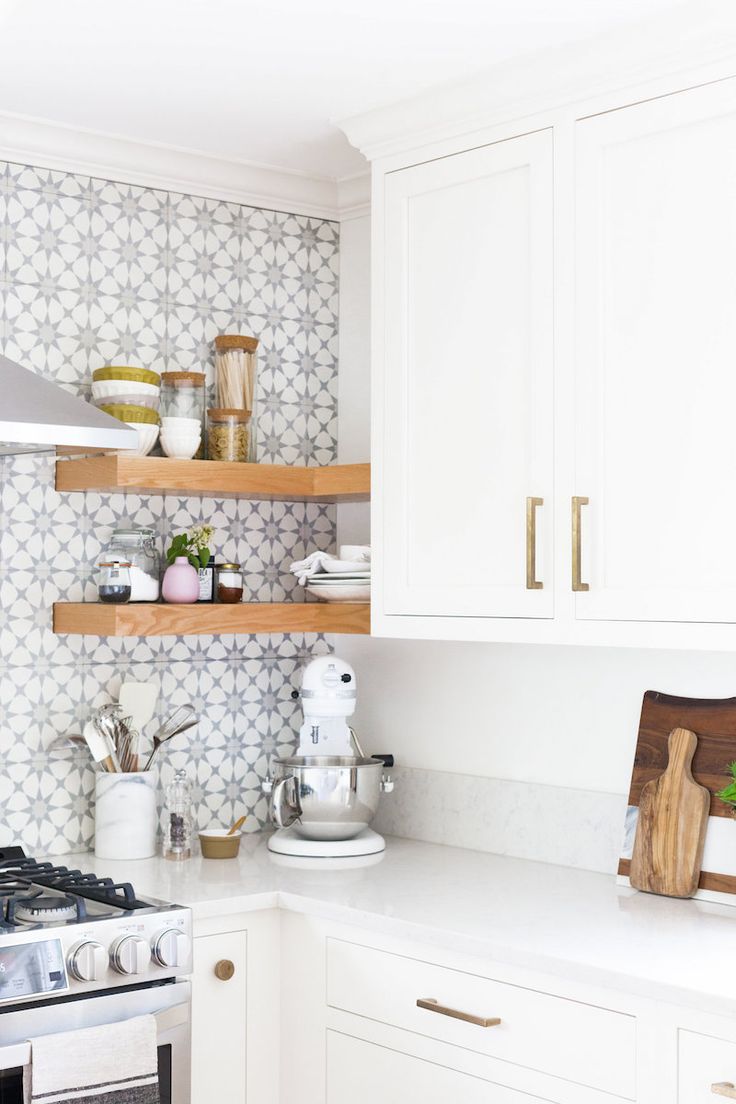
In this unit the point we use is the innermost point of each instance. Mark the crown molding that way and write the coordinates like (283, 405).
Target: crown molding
(354, 196)
(699, 34)
(112, 157)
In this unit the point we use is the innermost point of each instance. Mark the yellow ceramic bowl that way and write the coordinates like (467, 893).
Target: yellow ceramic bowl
(217, 844)
(124, 412)
(131, 375)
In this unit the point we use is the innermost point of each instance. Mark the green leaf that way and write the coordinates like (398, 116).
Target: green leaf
(204, 556)
(193, 560)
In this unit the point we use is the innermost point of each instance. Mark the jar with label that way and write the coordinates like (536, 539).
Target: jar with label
(113, 580)
(138, 546)
(178, 818)
(183, 404)
(228, 434)
(229, 583)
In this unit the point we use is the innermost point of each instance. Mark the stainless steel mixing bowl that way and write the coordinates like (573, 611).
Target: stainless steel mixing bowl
(326, 797)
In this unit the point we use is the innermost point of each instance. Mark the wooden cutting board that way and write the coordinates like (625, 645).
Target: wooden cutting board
(714, 721)
(670, 833)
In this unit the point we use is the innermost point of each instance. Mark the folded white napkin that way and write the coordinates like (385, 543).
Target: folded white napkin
(113, 1064)
(312, 565)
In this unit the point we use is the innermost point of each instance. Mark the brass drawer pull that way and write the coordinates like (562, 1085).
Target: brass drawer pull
(724, 1088)
(532, 582)
(577, 541)
(431, 1005)
(224, 969)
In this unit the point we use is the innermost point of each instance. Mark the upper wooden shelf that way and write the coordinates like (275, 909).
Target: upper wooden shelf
(159, 619)
(215, 478)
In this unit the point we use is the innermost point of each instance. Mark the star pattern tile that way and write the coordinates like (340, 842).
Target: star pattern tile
(94, 271)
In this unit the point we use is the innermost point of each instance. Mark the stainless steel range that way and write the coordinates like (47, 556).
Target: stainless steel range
(78, 951)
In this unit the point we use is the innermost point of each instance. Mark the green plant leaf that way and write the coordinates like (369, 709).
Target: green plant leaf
(193, 560)
(204, 556)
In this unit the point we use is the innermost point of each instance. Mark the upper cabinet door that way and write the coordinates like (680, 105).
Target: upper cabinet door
(656, 358)
(464, 411)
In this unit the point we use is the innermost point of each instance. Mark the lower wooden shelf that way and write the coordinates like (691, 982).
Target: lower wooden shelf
(158, 619)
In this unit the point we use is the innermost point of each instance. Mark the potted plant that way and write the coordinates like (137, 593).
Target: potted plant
(187, 557)
(728, 794)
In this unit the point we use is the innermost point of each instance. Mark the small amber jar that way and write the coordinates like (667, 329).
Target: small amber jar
(229, 582)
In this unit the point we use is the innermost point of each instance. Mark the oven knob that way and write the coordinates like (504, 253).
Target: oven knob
(87, 961)
(170, 948)
(130, 955)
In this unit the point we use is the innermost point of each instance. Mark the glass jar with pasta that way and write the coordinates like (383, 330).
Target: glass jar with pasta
(236, 373)
(228, 434)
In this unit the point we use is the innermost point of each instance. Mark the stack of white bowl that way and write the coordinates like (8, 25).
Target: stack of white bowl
(132, 396)
(180, 437)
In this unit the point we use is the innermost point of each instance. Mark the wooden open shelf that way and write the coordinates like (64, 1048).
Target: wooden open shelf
(216, 478)
(159, 619)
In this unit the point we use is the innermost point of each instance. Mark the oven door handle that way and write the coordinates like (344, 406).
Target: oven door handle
(19, 1054)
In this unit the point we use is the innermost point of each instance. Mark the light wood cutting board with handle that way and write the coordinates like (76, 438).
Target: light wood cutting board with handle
(670, 832)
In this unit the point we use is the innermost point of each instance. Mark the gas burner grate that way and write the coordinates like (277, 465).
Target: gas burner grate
(103, 890)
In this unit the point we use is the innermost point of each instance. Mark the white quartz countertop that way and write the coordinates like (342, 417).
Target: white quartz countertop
(564, 921)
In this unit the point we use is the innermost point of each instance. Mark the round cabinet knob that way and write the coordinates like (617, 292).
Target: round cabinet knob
(130, 955)
(87, 961)
(224, 969)
(170, 947)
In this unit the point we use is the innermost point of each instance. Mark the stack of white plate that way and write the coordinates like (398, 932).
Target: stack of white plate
(342, 581)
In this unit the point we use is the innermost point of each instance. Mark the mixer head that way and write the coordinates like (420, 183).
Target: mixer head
(328, 688)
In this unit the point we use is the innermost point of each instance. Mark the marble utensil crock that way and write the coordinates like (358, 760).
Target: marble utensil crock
(126, 819)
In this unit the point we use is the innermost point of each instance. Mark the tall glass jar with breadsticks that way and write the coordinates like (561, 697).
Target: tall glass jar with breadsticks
(236, 376)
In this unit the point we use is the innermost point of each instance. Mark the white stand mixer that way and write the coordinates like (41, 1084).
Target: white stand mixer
(323, 797)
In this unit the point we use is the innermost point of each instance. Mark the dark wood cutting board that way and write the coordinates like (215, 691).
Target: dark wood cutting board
(713, 720)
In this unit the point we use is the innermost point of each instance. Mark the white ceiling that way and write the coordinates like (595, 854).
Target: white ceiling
(262, 80)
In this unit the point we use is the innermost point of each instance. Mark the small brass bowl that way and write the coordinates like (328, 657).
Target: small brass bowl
(217, 844)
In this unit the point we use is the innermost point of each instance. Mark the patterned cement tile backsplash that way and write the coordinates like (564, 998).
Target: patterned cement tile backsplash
(94, 271)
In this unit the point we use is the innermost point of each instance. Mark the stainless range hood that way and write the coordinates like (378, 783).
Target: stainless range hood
(39, 416)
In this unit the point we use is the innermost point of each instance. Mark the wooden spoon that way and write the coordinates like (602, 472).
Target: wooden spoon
(236, 825)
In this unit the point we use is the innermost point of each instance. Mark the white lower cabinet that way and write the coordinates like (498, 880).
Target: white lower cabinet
(326, 1013)
(364, 1073)
(706, 1069)
(566, 1039)
(219, 1024)
(236, 1009)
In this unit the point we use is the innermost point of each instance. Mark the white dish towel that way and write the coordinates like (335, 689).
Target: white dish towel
(112, 1064)
(312, 565)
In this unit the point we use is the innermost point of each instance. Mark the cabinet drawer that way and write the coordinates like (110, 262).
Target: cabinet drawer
(364, 1073)
(704, 1061)
(579, 1042)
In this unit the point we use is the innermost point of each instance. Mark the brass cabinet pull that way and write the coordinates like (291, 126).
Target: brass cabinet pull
(724, 1088)
(224, 969)
(431, 1005)
(577, 583)
(532, 583)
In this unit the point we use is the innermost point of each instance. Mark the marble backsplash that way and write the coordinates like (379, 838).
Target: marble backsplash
(524, 820)
(96, 271)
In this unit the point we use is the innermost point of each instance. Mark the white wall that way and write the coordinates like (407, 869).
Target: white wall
(554, 715)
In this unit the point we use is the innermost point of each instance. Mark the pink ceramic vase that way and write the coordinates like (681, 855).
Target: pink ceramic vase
(181, 582)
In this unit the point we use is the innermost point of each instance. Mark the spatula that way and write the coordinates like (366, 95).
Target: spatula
(99, 746)
(670, 831)
(138, 701)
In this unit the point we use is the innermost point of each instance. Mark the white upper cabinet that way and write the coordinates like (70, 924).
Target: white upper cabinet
(554, 321)
(655, 356)
(467, 370)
